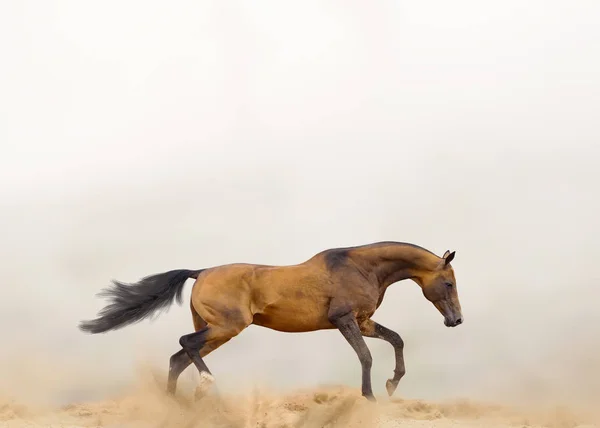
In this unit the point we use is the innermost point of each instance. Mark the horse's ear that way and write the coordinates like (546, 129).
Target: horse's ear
(449, 256)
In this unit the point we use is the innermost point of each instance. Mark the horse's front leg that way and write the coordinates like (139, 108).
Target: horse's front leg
(348, 326)
(370, 328)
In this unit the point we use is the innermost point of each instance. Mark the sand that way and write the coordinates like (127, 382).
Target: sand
(144, 404)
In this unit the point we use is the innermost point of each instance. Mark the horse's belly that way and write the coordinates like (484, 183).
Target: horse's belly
(287, 317)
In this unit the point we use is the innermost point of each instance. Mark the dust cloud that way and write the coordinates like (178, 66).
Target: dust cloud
(141, 138)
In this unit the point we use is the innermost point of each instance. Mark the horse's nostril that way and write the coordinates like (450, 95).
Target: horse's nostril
(459, 321)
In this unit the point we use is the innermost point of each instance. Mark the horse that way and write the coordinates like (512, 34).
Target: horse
(338, 288)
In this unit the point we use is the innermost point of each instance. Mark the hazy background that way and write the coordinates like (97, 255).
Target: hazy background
(139, 137)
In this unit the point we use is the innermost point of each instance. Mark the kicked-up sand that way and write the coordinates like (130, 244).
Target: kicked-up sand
(144, 404)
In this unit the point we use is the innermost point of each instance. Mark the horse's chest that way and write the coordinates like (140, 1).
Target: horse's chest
(380, 299)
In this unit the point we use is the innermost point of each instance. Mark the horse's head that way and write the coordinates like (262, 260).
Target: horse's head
(439, 287)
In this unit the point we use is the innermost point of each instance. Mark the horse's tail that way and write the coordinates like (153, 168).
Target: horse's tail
(131, 303)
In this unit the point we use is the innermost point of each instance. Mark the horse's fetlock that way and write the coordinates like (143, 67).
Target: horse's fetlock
(399, 373)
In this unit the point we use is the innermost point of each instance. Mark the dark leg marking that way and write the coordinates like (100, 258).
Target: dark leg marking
(177, 364)
(192, 344)
(372, 329)
(195, 344)
(201, 343)
(348, 326)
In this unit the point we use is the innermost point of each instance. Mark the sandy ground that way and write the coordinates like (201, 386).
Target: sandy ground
(145, 405)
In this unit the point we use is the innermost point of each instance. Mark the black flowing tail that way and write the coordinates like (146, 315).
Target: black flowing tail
(131, 303)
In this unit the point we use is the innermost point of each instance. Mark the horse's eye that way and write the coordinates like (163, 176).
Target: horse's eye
(449, 285)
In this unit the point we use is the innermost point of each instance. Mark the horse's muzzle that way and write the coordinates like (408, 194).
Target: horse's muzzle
(453, 323)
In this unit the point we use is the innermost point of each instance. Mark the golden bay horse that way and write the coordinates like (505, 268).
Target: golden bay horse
(339, 288)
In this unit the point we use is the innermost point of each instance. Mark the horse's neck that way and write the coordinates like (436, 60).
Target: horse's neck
(397, 261)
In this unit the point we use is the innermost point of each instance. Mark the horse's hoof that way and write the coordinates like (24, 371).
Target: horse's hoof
(391, 386)
(206, 381)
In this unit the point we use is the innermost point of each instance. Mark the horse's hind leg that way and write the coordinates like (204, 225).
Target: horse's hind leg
(177, 364)
(180, 360)
(199, 344)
